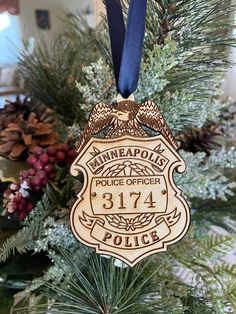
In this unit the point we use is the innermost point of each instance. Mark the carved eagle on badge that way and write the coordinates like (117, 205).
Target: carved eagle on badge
(126, 118)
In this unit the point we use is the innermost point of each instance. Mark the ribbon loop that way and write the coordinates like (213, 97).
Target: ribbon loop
(126, 44)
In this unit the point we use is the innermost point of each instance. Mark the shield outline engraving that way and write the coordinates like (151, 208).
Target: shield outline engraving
(81, 215)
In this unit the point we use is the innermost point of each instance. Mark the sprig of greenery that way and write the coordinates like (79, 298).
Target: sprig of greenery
(50, 71)
(93, 284)
(96, 285)
(24, 239)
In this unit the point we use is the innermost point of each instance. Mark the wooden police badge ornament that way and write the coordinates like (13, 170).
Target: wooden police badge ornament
(129, 206)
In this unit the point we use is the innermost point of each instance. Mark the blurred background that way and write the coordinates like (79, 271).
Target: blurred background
(32, 20)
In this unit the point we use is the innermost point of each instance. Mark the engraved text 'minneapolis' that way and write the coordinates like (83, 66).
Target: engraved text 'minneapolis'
(109, 155)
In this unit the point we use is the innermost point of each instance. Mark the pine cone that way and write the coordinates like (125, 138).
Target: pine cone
(22, 135)
(201, 140)
(12, 109)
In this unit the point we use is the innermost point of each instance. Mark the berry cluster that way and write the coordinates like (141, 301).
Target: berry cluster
(17, 200)
(42, 165)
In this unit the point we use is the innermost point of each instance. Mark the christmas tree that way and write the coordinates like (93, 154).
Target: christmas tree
(185, 57)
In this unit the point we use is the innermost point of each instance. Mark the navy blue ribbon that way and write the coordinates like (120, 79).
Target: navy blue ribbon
(126, 44)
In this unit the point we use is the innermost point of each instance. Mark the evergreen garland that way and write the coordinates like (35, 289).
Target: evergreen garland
(184, 58)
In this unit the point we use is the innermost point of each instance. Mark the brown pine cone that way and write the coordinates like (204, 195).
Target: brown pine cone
(201, 140)
(20, 137)
(13, 109)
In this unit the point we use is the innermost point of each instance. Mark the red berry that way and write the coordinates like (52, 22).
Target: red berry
(52, 160)
(38, 165)
(49, 168)
(7, 193)
(23, 201)
(60, 156)
(51, 175)
(37, 151)
(69, 161)
(51, 151)
(44, 158)
(37, 189)
(17, 199)
(29, 206)
(31, 160)
(65, 147)
(23, 174)
(45, 181)
(14, 186)
(31, 172)
(71, 153)
(11, 207)
(41, 174)
(22, 216)
(20, 207)
(35, 181)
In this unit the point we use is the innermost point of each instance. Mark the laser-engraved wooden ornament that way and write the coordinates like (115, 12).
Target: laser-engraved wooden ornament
(129, 206)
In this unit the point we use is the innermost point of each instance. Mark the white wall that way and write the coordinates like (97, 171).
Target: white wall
(229, 85)
(56, 7)
(9, 40)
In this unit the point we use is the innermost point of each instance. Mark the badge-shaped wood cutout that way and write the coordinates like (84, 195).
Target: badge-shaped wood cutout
(129, 206)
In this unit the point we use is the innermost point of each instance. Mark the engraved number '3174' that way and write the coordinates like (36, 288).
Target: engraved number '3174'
(135, 196)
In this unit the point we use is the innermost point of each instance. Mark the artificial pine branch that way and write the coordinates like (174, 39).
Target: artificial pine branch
(93, 284)
(205, 261)
(50, 72)
(193, 24)
(96, 285)
(221, 214)
(32, 229)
